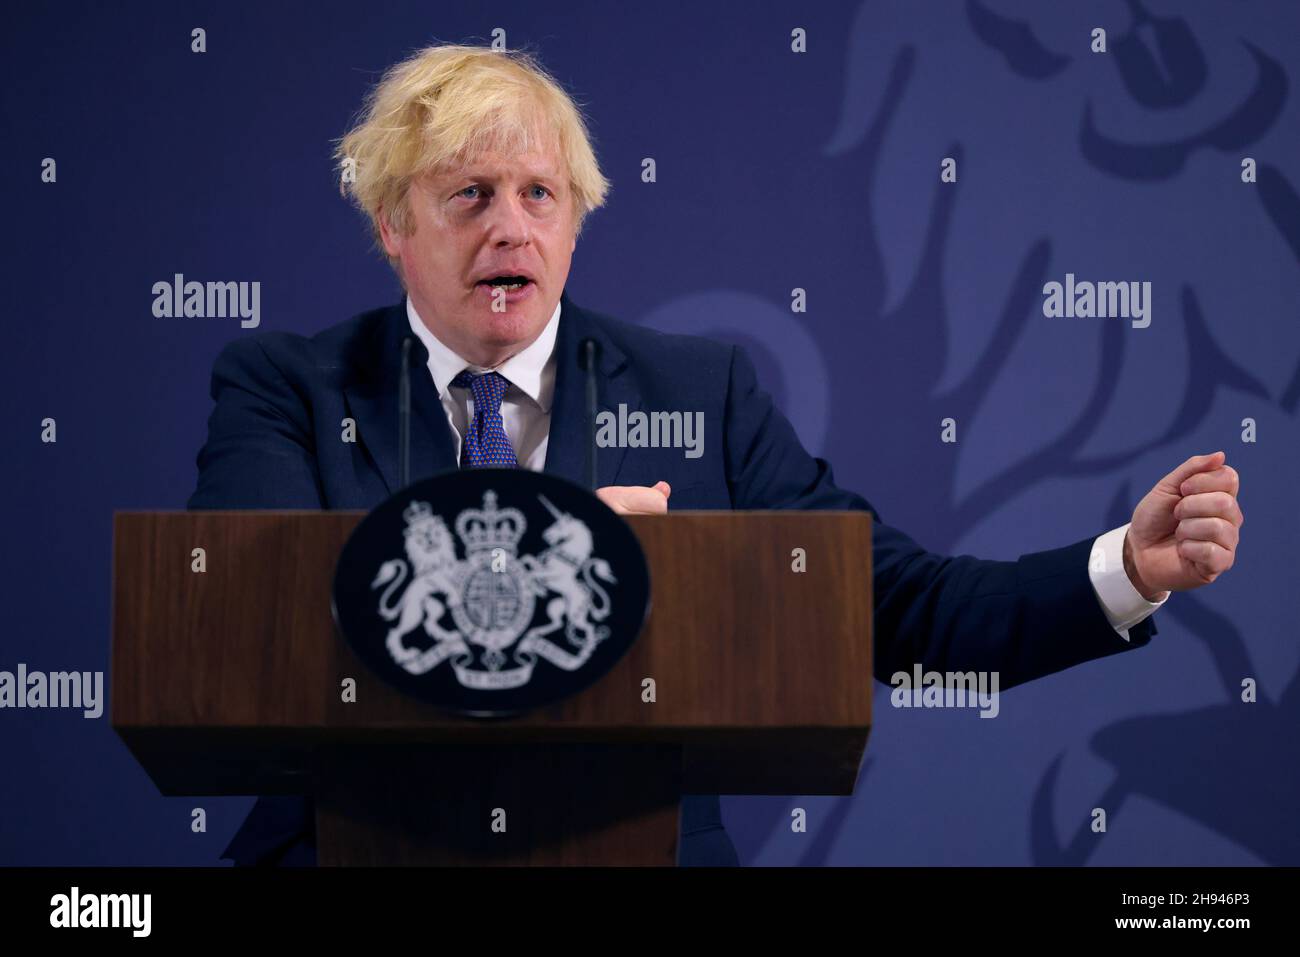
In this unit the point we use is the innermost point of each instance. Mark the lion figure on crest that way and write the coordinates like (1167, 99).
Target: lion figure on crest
(432, 555)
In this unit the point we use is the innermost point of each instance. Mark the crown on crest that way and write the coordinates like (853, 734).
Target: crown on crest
(490, 527)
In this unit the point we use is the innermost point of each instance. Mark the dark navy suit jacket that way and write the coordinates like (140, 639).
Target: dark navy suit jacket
(274, 443)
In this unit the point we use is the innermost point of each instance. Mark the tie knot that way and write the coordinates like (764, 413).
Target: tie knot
(488, 389)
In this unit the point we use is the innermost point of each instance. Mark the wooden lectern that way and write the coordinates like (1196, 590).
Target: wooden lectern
(229, 681)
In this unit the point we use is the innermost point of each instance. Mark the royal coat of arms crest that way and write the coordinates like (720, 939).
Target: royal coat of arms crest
(447, 579)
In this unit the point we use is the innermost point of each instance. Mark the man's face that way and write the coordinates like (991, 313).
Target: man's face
(494, 216)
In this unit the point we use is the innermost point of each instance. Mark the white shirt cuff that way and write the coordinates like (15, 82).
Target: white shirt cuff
(1123, 604)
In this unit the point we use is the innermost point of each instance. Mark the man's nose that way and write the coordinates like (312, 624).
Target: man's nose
(508, 222)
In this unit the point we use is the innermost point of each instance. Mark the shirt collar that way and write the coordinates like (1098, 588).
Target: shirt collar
(532, 370)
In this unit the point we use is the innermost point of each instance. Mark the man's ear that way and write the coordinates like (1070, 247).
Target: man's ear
(391, 238)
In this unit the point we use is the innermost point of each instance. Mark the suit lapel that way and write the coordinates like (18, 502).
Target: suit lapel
(566, 447)
(372, 394)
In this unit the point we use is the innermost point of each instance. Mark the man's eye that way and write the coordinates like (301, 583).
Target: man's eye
(466, 190)
(541, 189)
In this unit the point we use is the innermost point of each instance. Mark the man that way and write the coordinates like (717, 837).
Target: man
(476, 172)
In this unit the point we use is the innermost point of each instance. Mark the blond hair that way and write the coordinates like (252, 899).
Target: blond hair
(444, 105)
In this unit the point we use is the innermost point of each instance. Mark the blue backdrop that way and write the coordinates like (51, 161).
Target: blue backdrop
(776, 170)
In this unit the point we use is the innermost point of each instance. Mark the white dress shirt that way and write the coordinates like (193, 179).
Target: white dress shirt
(1123, 604)
(526, 406)
(526, 414)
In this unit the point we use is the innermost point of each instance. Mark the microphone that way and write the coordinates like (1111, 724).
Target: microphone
(588, 354)
(404, 417)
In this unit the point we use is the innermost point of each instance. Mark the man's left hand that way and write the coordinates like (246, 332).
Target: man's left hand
(636, 499)
(1184, 532)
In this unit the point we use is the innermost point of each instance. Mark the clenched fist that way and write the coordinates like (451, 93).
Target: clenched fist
(1185, 531)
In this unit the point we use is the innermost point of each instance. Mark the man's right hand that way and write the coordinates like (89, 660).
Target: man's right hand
(636, 499)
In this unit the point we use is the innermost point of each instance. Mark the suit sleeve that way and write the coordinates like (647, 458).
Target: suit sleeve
(1023, 619)
(260, 452)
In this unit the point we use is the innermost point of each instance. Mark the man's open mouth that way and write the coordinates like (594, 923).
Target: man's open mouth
(510, 283)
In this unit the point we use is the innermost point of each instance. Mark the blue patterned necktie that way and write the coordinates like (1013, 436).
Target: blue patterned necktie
(486, 442)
